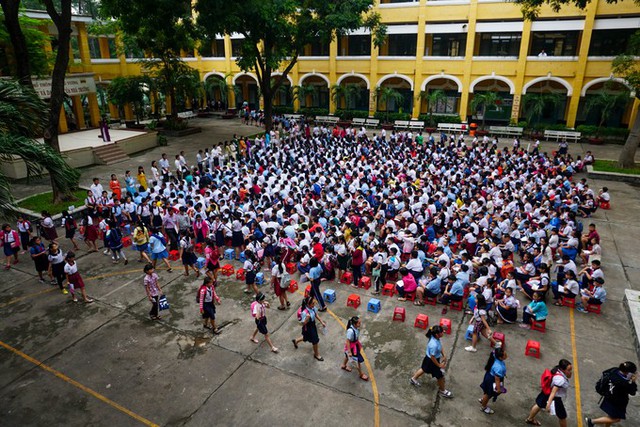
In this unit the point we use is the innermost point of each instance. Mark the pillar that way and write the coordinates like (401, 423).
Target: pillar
(78, 112)
(128, 112)
(167, 104)
(83, 45)
(113, 111)
(94, 110)
(373, 78)
(333, 75)
(417, 79)
(468, 59)
(520, 71)
(295, 78)
(104, 48)
(62, 122)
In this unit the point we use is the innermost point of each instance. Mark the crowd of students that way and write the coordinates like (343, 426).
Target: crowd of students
(449, 219)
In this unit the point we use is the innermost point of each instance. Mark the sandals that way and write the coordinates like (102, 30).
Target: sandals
(346, 368)
(364, 377)
(532, 422)
(282, 308)
(319, 358)
(253, 340)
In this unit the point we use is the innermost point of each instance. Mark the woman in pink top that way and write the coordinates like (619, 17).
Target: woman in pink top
(212, 256)
(409, 284)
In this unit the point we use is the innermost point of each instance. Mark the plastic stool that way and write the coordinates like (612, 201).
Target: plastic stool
(569, 302)
(347, 278)
(329, 296)
(127, 229)
(241, 274)
(540, 326)
(293, 286)
(594, 308)
(229, 254)
(532, 349)
(431, 300)
(291, 267)
(365, 282)
(446, 325)
(456, 305)
(227, 270)
(126, 241)
(201, 262)
(199, 248)
(410, 296)
(389, 289)
(243, 257)
(307, 291)
(469, 334)
(422, 321)
(174, 255)
(260, 279)
(399, 314)
(605, 205)
(498, 336)
(374, 305)
(353, 301)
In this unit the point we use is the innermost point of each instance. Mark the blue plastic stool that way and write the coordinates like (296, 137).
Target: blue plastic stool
(260, 279)
(201, 262)
(243, 257)
(469, 334)
(229, 254)
(127, 229)
(329, 295)
(373, 305)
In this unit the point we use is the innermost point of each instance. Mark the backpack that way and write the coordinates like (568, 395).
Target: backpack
(198, 294)
(605, 385)
(545, 381)
(253, 306)
(299, 313)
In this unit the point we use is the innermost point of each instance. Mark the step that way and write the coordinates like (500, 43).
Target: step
(110, 154)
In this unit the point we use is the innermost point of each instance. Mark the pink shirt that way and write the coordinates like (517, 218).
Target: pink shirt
(410, 284)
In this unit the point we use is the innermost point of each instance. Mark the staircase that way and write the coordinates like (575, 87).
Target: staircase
(109, 154)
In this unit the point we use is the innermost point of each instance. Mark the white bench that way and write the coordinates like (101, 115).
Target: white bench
(562, 134)
(401, 124)
(452, 127)
(187, 115)
(506, 130)
(372, 123)
(293, 116)
(358, 122)
(329, 120)
(416, 125)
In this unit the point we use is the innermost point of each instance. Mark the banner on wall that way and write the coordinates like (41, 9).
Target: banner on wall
(73, 85)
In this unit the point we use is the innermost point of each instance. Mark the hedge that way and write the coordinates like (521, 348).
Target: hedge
(591, 130)
(351, 114)
(312, 112)
(439, 118)
(391, 117)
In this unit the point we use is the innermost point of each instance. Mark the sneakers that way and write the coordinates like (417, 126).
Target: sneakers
(588, 421)
(488, 410)
(582, 309)
(414, 382)
(445, 393)
(471, 349)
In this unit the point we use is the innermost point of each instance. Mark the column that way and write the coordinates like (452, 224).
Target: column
(94, 110)
(417, 79)
(167, 104)
(62, 122)
(373, 78)
(468, 59)
(113, 111)
(581, 66)
(333, 72)
(78, 112)
(295, 77)
(104, 48)
(520, 71)
(83, 46)
(128, 112)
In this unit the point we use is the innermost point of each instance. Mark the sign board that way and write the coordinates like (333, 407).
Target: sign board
(80, 85)
(515, 107)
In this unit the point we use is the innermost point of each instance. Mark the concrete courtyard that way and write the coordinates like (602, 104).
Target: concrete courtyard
(106, 363)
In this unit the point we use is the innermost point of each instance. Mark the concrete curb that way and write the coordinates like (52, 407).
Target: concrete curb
(632, 306)
(36, 215)
(612, 176)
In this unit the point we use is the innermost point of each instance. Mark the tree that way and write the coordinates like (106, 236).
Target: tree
(22, 117)
(432, 97)
(276, 32)
(123, 91)
(213, 84)
(302, 92)
(627, 67)
(387, 95)
(485, 101)
(606, 102)
(350, 92)
(534, 105)
(531, 8)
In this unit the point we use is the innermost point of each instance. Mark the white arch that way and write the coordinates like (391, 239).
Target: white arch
(322, 76)
(563, 82)
(213, 73)
(352, 74)
(604, 80)
(277, 73)
(253, 76)
(442, 76)
(400, 76)
(512, 87)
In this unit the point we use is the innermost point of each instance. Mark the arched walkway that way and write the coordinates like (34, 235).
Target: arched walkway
(500, 113)
(612, 91)
(402, 85)
(449, 104)
(545, 100)
(351, 92)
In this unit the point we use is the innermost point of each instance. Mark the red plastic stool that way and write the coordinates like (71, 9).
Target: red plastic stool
(307, 291)
(353, 301)
(293, 286)
(227, 270)
(399, 314)
(240, 274)
(431, 300)
(605, 205)
(174, 255)
(499, 337)
(411, 296)
(594, 308)
(199, 248)
(569, 302)
(456, 305)
(291, 267)
(422, 321)
(540, 326)
(347, 278)
(389, 289)
(446, 325)
(532, 349)
(365, 282)
(126, 241)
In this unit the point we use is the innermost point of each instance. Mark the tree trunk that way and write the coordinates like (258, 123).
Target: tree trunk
(11, 9)
(628, 153)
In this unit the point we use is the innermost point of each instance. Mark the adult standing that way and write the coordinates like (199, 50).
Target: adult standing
(434, 362)
(550, 398)
(153, 290)
(308, 317)
(493, 382)
(621, 385)
(259, 313)
(353, 347)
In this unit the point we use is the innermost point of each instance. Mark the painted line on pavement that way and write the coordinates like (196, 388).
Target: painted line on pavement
(76, 384)
(15, 300)
(576, 374)
(121, 286)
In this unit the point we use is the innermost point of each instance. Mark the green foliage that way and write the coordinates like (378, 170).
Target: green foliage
(391, 117)
(535, 103)
(486, 101)
(40, 60)
(432, 121)
(312, 111)
(606, 102)
(282, 109)
(218, 85)
(350, 92)
(387, 94)
(592, 130)
(175, 124)
(42, 202)
(531, 8)
(352, 114)
(127, 90)
(613, 166)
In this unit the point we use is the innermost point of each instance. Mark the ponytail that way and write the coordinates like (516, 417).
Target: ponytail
(498, 353)
(562, 365)
(434, 330)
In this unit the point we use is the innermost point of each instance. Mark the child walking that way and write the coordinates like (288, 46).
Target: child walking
(74, 280)
(207, 298)
(259, 312)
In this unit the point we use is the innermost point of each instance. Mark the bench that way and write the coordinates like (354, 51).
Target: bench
(452, 127)
(358, 122)
(566, 135)
(416, 125)
(401, 124)
(327, 120)
(506, 130)
(372, 123)
(293, 116)
(187, 115)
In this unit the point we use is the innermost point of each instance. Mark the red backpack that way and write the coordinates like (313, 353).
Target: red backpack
(546, 379)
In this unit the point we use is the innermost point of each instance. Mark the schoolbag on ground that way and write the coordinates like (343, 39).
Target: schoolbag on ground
(605, 385)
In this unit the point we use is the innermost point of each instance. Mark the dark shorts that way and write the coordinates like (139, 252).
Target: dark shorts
(250, 277)
(430, 368)
(8, 250)
(261, 324)
(212, 267)
(208, 310)
(594, 301)
(142, 248)
(69, 233)
(561, 412)
(237, 239)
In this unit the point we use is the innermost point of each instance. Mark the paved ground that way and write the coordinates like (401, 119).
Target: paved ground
(106, 364)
